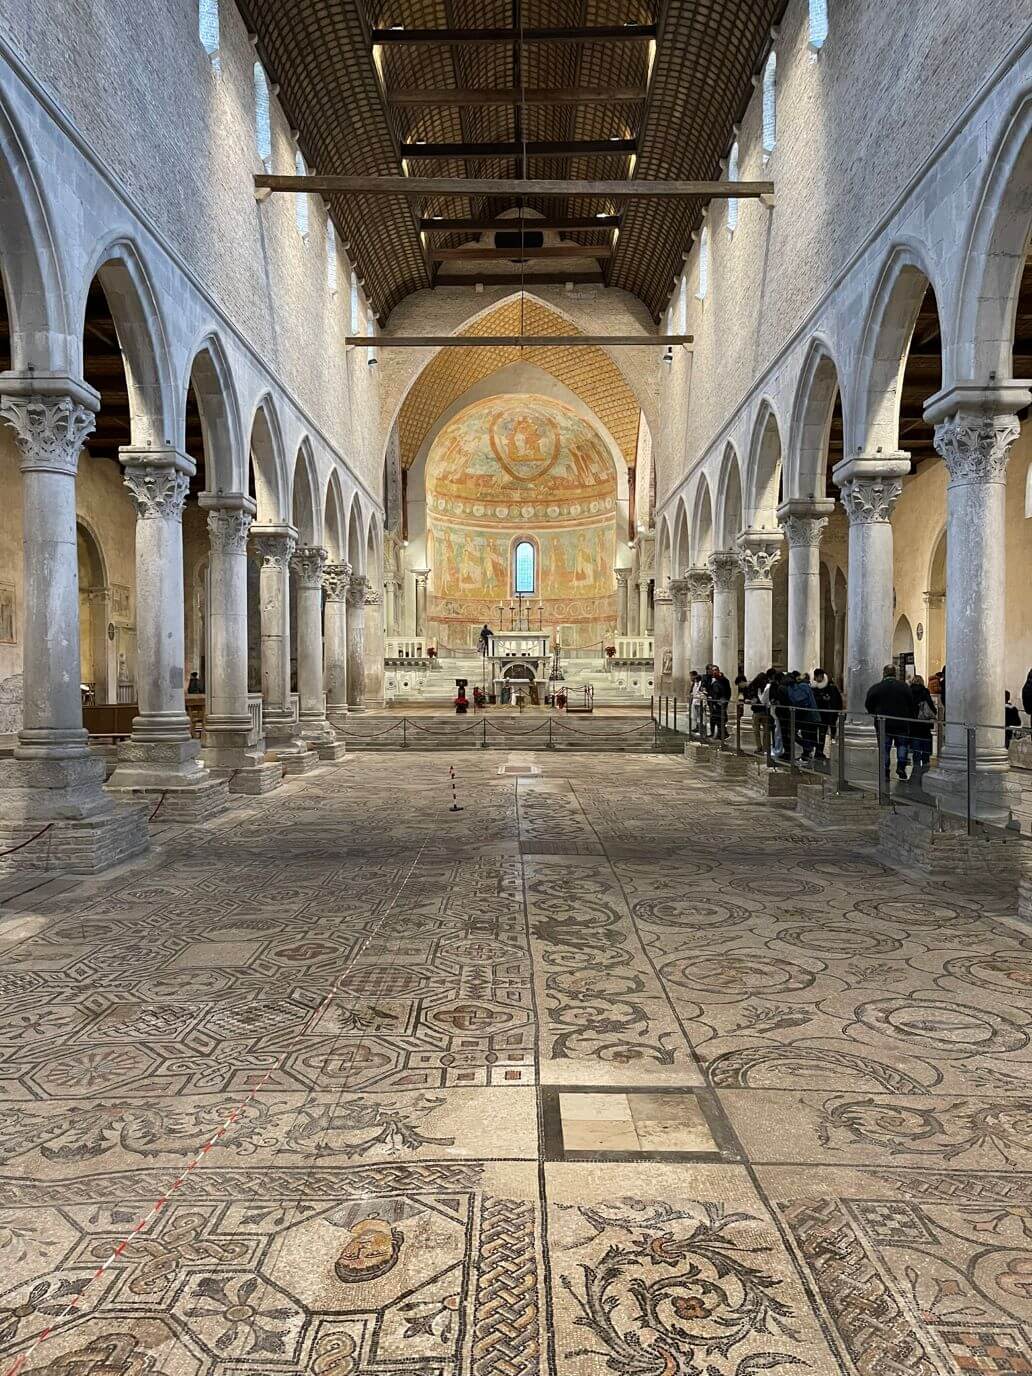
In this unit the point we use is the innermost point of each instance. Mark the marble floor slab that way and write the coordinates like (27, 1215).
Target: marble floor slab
(616, 1071)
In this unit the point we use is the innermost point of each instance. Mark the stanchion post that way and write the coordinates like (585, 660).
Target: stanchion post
(738, 728)
(790, 744)
(840, 744)
(883, 783)
(550, 745)
(483, 743)
(404, 733)
(970, 779)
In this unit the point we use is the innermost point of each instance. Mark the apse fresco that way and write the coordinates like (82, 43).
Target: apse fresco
(512, 468)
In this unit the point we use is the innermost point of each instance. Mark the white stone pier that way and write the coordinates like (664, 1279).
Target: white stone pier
(758, 552)
(803, 521)
(274, 545)
(308, 562)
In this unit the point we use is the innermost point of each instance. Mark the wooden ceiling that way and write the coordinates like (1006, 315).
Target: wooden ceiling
(458, 97)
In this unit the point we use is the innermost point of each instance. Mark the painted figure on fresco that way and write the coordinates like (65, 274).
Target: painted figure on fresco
(525, 443)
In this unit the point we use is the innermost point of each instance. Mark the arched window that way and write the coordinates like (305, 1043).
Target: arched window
(818, 24)
(208, 28)
(770, 104)
(301, 199)
(682, 306)
(262, 119)
(732, 176)
(524, 568)
(331, 257)
(703, 263)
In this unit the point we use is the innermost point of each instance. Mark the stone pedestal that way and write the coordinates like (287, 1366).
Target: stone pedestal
(724, 570)
(991, 862)
(701, 618)
(663, 632)
(308, 563)
(161, 756)
(680, 632)
(974, 431)
(336, 581)
(356, 643)
(274, 545)
(803, 522)
(422, 577)
(373, 650)
(870, 486)
(53, 806)
(758, 552)
(232, 749)
(819, 803)
(778, 786)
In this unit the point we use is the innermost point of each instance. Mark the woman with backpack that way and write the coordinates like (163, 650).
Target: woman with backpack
(925, 717)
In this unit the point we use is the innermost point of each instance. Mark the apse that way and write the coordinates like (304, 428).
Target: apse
(521, 501)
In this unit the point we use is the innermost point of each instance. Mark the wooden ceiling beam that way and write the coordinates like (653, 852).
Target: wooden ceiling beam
(550, 148)
(578, 277)
(512, 187)
(512, 95)
(522, 341)
(599, 33)
(432, 224)
(473, 253)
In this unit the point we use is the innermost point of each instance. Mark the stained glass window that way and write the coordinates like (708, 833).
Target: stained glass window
(524, 568)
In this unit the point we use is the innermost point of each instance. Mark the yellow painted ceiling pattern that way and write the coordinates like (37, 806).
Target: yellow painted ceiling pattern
(589, 373)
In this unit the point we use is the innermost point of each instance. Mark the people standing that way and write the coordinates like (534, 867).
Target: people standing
(1011, 719)
(698, 699)
(806, 717)
(829, 703)
(1026, 694)
(925, 717)
(894, 703)
(719, 696)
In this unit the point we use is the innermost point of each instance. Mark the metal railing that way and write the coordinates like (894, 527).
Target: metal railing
(553, 732)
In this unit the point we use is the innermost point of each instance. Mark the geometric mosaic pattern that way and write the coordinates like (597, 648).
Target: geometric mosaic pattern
(613, 1071)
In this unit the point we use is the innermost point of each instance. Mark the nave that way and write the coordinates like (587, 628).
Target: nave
(611, 1070)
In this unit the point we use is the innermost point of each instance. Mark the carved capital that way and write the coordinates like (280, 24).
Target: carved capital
(357, 591)
(975, 446)
(373, 597)
(158, 483)
(623, 577)
(336, 581)
(804, 530)
(680, 598)
(870, 500)
(227, 530)
(757, 564)
(308, 562)
(724, 569)
(274, 548)
(699, 584)
(49, 430)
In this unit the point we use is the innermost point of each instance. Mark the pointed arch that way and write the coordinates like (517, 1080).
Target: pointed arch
(356, 553)
(664, 552)
(763, 474)
(885, 343)
(266, 464)
(702, 522)
(304, 496)
(156, 419)
(994, 257)
(212, 381)
(729, 510)
(681, 546)
(335, 537)
(807, 462)
(374, 559)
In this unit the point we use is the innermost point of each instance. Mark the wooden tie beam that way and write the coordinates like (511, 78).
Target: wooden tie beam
(512, 95)
(419, 188)
(519, 341)
(600, 33)
(549, 148)
(437, 224)
(472, 253)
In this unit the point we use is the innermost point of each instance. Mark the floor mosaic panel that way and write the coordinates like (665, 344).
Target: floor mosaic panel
(614, 1072)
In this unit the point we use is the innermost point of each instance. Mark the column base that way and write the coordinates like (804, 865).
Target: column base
(337, 715)
(356, 707)
(251, 779)
(915, 838)
(995, 793)
(819, 803)
(47, 790)
(731, 766)
(295, 761)
(699, 753)
(172, 803)
(778, 786)
(87, 845)
(158, 765)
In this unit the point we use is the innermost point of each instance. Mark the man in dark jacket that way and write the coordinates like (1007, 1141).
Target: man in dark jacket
(719, 695)
(829, 703)
(894, 702)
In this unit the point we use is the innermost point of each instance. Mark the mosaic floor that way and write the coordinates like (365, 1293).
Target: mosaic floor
(611, 1073)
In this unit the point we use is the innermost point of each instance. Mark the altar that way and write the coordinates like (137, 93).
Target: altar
(526, 645)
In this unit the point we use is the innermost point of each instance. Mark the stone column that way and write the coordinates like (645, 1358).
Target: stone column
(758, 552)
(52, 788)
(935, 632)
(232, 748)
(644, 621)
(105, 669)
(839, 658)
(724, 569)
(663, 635)
(275, 545)
(308, 562)
(680, 634)
(390, 588)
(974, 431)
(699, 591)
(161, 759)
(356, 643)
(803, 521)
(869, 487)
(336, 581)
(421, 576)
(622, 581)
(373, 649)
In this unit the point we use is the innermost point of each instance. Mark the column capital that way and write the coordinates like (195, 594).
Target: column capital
(336, 581)
(623, 576)
(158, 481)
(934, 599)
(758, 551)
(308, 562)
(357, 590)
(679, 596)
(724, 567)
(699, 582)
(975, 445)
(227, 501)
(227, 529)
(51, 416)
(274, 545)
(803, 519)
(661, 597)
(373, 596)
(870, 485)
